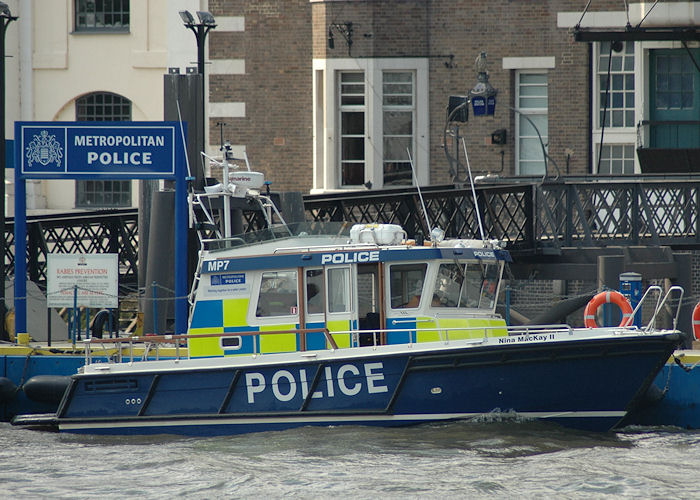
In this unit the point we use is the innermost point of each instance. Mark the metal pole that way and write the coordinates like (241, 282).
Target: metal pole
(4, 24)
(6, 17)
(508, 305)
(200, 30)
(155, 308)
(48, 326)
(201, 35)
(111, 322)
(75, 313)
(180, 251)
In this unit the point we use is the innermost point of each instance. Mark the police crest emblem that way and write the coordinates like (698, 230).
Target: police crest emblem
(44, 149)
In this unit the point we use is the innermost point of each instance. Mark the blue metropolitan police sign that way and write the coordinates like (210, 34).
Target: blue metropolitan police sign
(135, 150)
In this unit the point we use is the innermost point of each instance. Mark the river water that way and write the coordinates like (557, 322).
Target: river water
(494, 459)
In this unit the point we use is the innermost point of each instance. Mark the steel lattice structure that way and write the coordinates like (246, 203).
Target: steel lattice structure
(535, 218)
(532, 218)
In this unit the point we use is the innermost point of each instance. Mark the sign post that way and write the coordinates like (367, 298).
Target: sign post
(99, 150)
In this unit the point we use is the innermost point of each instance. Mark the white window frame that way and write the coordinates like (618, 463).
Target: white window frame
(326, 119)
(528, 112)
(615, 19)
(400, 108)
(351, 109)
(614, 136)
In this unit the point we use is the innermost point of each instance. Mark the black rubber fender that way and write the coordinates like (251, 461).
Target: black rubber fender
(8, 389)
(100, 322)
(46, 388)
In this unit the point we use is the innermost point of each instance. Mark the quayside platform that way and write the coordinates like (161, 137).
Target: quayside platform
(674, 397)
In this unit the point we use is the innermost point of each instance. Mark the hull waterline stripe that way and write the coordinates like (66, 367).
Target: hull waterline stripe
(66, 426)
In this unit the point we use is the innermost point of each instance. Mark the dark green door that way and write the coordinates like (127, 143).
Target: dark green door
(674, 99)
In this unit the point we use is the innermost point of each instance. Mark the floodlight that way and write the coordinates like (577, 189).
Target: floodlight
(186, 17)
(206, 18)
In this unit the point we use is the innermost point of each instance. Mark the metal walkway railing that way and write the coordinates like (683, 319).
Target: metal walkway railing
(532, 217)
(100, 231)
(536, 217)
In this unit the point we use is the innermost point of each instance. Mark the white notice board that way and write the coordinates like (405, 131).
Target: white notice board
(95, 275)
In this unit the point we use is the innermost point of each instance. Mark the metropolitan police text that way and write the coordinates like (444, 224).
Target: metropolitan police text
(119, 158)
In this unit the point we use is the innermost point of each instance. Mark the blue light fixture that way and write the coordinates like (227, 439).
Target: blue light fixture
(483, 95)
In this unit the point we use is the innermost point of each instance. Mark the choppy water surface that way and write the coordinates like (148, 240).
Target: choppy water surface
(454, 460)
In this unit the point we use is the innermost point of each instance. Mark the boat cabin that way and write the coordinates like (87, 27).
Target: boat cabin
(307, 292)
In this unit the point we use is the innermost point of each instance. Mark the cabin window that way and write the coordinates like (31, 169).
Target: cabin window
(278, 294)
(314, 291)
(339, 289)
(406, 282)
(466, 285)
(230, 343)
(489, 285)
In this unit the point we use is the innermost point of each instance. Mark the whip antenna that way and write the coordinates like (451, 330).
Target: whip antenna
(471, 182)
(420, 194)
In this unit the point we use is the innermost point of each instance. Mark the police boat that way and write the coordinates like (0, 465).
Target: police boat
(338, 324)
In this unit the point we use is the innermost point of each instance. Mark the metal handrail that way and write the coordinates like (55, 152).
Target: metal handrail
(660, 304)
(661, 300)
(650, 289)
(149, 340)
(444, 332)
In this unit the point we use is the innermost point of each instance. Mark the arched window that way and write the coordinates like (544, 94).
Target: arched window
(97, 193)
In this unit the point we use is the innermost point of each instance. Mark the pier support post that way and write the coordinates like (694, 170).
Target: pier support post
(610, 267)
(684, 278)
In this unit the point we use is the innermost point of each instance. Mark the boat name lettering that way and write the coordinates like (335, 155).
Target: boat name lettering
(350, 257)
(284, 384)
(526, 338)
(485, 253)
(217, 265)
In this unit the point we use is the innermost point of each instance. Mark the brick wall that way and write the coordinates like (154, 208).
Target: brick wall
(282, 37)
(276, 87)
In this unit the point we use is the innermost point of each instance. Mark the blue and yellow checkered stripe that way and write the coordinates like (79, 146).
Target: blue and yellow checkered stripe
(427, 329)
(230, 316)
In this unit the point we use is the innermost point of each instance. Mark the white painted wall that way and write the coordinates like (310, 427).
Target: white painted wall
(56, 65)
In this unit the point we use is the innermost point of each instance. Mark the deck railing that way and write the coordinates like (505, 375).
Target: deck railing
(124, 349)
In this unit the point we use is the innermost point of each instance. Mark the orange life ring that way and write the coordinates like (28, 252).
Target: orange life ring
(609, 297)
(696, 321)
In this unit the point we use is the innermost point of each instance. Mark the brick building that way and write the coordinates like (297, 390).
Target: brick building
(334, 92)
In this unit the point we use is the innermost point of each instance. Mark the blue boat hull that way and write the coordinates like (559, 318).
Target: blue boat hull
(589, 384)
